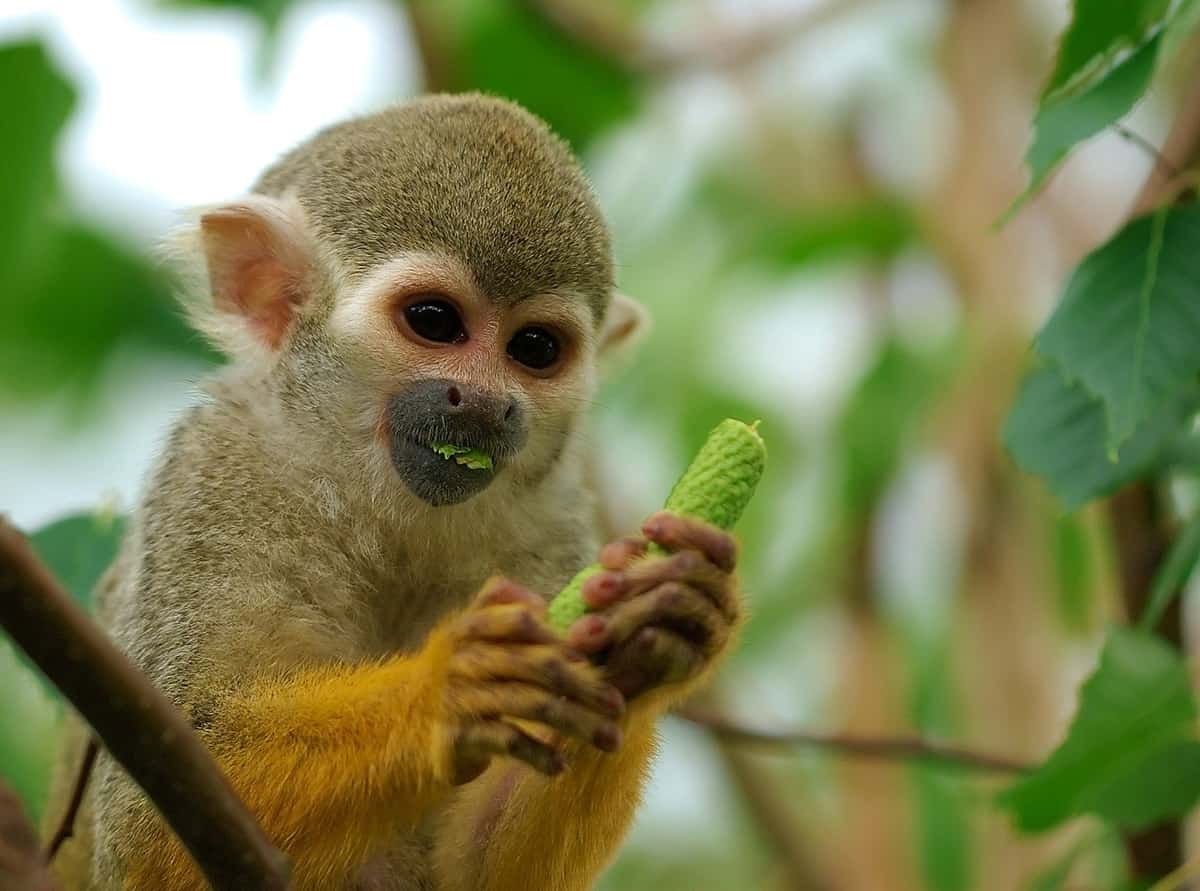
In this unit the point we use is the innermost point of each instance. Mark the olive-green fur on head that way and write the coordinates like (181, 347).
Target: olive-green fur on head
(471, 175)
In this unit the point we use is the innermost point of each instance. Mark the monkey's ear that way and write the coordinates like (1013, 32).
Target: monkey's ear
(258, 262)
(624, 323)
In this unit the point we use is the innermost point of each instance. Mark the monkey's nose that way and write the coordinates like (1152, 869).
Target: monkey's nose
(479, 403)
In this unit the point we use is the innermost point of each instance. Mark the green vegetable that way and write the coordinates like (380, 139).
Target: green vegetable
(472, 458)
(716, 488)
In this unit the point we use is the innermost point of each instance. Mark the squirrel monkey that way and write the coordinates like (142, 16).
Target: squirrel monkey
(355, 624)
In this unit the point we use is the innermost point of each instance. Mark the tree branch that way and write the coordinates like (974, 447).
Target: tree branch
(135, 722)
(606, 34)
(883, 748)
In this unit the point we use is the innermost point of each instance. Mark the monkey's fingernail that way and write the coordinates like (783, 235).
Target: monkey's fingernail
(602, 588)
(607, 738)
(614, 702)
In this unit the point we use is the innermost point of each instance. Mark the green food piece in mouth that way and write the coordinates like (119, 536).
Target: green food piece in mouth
(471, 458)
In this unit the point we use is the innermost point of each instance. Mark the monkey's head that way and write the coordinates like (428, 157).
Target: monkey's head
(434, 274)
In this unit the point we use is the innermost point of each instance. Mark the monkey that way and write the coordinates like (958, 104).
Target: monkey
(354, 624)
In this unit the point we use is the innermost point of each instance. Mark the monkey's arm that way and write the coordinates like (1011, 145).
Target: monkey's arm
(513, 829)
(329, 760)
(335, 761)
(661, 626)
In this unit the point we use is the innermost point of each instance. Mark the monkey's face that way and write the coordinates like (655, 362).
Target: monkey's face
(450, 366)
(434, 276)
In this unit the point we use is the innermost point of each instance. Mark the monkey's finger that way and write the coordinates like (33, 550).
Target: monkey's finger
(655, 656)
(514, 623)
(499, 590)
(588, 634)
(678, 533)
(557, 669)
(495, 737)
(673, 606)
(620, 553)
(690, 567)
(516, 700)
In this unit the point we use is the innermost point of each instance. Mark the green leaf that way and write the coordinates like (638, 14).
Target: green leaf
(1056, 431)
(510, 50)
(1173, 574)
(1181, 29)
(1067, 118)
(944, 830)
(1136, 719)
(884, 412)
(35, 101)
(76, 301)
(1073, 570)
(78, 549)
(1098, 29)
(1127, 327)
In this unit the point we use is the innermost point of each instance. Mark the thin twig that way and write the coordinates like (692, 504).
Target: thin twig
(66, 826)
(1131, 135)
(883, 748)
(597, 29)
(138, 726)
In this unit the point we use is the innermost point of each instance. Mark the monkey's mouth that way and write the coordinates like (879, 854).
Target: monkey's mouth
(433, 478)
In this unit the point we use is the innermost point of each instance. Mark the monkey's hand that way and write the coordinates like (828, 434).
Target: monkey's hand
(510, 678)
(660, 623)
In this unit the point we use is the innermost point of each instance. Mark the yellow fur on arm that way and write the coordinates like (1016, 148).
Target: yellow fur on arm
(332, 761)
(514, 826)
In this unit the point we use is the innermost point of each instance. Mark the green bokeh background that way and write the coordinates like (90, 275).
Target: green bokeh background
(810, 227)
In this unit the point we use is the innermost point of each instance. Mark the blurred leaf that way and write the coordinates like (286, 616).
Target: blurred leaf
(1127, 328)
(1098, 29)
(35, 101)
(78, 549)
(79, 299)
(1073, 570)
(1056, 431)
(765, 232)
(1173, 574)
(504, 47)
(1134, 730)
(1181, 28)
(944, 824)
(269, 12)
(1067, 118)
(889, 405)
(943, 812)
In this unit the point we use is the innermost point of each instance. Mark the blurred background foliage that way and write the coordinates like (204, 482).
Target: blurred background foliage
(804, 194)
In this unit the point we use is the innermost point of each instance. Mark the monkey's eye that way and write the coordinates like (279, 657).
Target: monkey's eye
(435, 320)
(534, 347)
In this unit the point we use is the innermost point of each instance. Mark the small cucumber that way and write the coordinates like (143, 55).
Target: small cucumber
(716, 488)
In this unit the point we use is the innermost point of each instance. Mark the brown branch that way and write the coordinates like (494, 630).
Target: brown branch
(881, 748)
(135, 722)
(66, 826)
(21, 866)
(429, 35)
(601, 32)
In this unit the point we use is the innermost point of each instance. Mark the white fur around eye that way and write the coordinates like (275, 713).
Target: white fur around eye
(363, 312)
